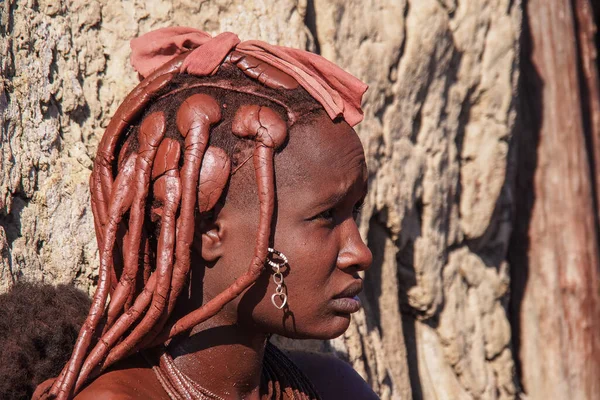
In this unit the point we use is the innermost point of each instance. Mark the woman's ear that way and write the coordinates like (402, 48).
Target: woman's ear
(212, 240)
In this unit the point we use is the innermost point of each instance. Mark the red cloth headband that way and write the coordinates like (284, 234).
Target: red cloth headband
(339, 92)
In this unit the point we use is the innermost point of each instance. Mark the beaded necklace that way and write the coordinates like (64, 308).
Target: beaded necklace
(280, 379)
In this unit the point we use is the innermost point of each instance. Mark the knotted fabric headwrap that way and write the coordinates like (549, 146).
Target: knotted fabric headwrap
(339, 92)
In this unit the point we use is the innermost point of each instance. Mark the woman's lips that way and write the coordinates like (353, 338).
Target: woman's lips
(345, 305)
(347, 300)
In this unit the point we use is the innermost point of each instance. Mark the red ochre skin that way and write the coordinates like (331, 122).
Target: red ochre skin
(223, 353)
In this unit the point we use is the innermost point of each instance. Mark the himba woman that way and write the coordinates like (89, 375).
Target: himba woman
(225, 192)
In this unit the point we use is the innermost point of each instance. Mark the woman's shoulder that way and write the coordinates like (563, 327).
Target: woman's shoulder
(129, 381)
(333, 378)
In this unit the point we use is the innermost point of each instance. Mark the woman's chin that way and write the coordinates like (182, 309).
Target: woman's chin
(338, 327)
(334, 326)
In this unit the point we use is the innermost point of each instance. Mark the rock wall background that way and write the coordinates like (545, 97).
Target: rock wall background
(438, 131)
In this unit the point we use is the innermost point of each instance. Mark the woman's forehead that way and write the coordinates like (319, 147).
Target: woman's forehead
(320, 151)
(320, 157)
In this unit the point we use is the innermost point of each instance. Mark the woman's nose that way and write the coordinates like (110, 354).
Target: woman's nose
(354, 252)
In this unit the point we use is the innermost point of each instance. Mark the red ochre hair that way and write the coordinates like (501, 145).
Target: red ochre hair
(159, 149)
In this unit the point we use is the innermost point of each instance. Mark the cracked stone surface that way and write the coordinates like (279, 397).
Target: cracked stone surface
(438, 129)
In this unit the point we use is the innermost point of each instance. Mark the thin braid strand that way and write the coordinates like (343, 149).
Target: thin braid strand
(115, 333)
(152, 131)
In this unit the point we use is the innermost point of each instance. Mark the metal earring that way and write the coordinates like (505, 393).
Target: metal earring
(278, 278)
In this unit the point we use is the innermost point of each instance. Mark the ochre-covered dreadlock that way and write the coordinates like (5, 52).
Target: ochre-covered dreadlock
(169, 160)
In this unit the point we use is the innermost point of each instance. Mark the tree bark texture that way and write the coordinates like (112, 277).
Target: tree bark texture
(555, 300)
(438, 133)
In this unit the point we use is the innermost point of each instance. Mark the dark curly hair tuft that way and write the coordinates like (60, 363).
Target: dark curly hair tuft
(39, 324)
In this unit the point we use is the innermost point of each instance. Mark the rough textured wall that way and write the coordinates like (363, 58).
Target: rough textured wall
(438, 133)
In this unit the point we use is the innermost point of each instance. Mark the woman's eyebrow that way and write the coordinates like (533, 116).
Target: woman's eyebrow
(332, 198)
(337, 196)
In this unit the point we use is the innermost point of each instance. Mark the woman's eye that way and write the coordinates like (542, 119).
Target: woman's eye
(357, 209)
(327, 215)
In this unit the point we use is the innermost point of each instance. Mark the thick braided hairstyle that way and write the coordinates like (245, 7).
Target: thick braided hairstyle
(158, 154)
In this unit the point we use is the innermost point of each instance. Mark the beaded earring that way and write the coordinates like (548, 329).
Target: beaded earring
(278, 278)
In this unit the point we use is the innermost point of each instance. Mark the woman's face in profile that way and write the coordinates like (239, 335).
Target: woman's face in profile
(321, 182)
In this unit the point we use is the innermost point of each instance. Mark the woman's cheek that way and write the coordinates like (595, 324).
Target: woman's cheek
(300, 237)
(319, 246)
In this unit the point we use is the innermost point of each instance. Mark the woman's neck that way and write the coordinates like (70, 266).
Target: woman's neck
(222, 357)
